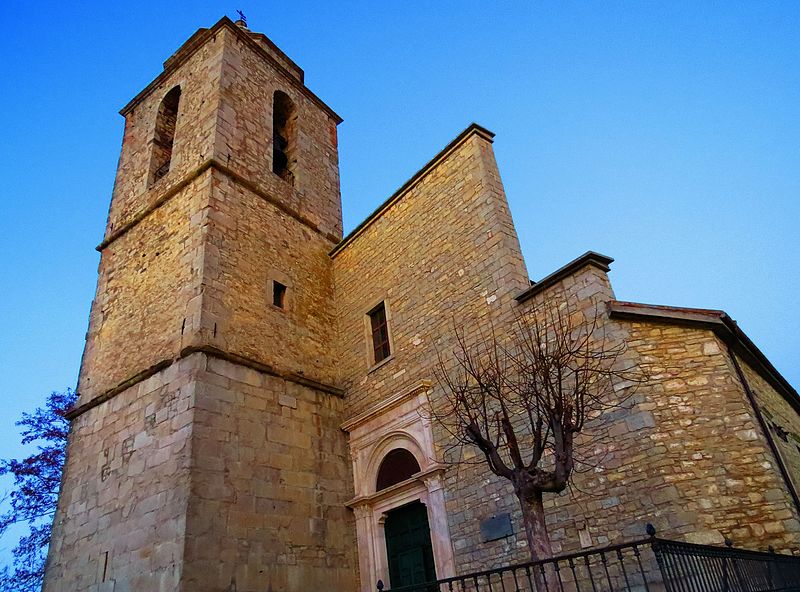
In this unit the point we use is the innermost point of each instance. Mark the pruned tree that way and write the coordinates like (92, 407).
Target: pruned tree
(522, 396)
(33, 498)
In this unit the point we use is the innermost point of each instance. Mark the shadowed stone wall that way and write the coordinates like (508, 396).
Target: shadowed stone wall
(121, 517)
(784, 421)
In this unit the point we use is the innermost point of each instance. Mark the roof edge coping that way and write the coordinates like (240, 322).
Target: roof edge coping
(718, 321)
(472, 129)
(191, 45)
(593, 258)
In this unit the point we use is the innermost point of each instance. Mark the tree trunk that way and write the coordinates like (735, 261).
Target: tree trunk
(535, 527)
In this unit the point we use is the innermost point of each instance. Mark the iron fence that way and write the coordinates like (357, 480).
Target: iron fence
(701, 568)
(646, 565)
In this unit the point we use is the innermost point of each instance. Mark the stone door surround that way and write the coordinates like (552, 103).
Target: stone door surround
(397, 422)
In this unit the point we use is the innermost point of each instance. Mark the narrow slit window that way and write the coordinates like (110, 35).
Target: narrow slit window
(380, 333)
(278, 294)
(164, 137)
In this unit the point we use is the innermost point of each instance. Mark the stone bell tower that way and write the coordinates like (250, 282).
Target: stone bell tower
(205, 451)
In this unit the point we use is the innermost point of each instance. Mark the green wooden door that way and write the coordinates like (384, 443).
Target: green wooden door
(408, 546)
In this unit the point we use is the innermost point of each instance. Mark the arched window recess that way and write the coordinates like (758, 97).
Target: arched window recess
(164, 136)
(397, 466)
(284, 137)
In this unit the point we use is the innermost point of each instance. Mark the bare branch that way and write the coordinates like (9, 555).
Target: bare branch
(521, 396)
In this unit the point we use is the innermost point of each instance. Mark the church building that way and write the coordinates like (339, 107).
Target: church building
(252, 394)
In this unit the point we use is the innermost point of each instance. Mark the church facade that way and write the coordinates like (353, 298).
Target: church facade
(252, 391)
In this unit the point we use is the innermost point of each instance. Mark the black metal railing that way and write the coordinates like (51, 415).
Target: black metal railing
(646, 565)
(698, 568)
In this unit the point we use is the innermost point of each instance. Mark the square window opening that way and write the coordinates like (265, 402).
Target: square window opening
(380, 333)
(278, 294)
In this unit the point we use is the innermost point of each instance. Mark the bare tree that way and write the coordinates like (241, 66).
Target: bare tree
(522, 396)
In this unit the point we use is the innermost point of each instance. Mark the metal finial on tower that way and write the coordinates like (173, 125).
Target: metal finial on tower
(242, 19)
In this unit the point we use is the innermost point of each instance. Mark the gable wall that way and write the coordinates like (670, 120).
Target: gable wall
(445, 253)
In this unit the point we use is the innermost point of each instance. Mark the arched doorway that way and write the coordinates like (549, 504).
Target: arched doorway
(409, 551)
(399, 506)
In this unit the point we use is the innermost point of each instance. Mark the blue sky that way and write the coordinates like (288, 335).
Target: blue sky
(666, 135)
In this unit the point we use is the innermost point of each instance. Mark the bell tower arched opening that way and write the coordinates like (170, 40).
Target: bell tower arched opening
(284, 137)
(164, 136)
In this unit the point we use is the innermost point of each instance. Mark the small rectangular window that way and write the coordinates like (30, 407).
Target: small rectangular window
(380, 332)
(278, 294)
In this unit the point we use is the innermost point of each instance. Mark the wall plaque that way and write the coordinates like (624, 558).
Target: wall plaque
(496, 527)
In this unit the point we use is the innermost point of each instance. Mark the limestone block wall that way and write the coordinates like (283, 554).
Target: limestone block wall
(717, 470)
(121, 518)
(249, 244)
(273, 50)
(270, 475)
(684, 452)
(148, 290)
(445, 252)
(244, 136)
(778, 413)
(199, 78)
(157, 254)
(205, 476)
(474, 494)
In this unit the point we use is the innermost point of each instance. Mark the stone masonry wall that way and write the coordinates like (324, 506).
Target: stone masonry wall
(244, 137)
(263, 229)
(121, 517)
(270, 477)
(149, 276)
(199, 79)
(777, 411)
(250, 243)
(718, 475)
(475, 494)
(189, 263)
(152, 277)
(684, 452)
(445, 253)
(148, 290)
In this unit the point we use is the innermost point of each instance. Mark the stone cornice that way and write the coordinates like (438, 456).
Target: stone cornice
(208, 351)
(722, 325)
(410, 483)
(172, 190)
(385, 405)
(667, 314)
(79, 410)
(163, 198)
(472, 130)
(602, 262)
(199, 39)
